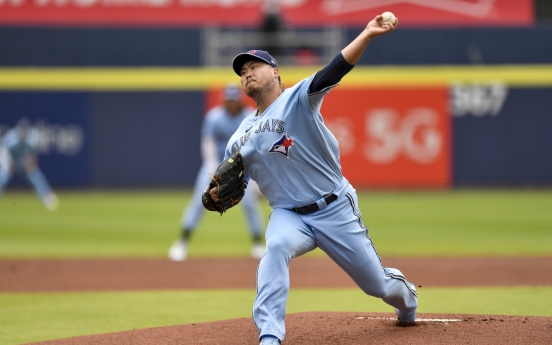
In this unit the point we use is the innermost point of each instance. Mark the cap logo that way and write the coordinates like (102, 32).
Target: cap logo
(252, 52)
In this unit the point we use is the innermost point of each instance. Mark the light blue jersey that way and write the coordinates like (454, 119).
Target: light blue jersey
(290, 142)
(220, 125)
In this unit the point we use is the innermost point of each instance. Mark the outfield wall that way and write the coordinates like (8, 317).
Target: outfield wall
(397, 126)
(112, 139)
(171, 47)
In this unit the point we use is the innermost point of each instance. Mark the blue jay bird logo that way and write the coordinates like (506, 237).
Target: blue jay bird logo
(282, 145)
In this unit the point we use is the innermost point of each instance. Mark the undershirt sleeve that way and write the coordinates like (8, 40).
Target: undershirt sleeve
(330, 75)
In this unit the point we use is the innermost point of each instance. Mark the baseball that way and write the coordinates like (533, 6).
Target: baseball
(389, 17)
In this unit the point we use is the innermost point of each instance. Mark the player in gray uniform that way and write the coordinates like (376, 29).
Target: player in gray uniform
(218, 126)
(294, 159)
(18, 156)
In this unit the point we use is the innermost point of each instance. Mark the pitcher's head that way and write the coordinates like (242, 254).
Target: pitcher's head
(257, 70)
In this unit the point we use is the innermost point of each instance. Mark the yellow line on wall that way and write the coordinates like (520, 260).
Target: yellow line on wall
(144, 79)
(512, 75)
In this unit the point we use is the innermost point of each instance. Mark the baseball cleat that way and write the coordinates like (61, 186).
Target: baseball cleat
(257, 251)
(178, 251)
(268, 340)
(406, 319)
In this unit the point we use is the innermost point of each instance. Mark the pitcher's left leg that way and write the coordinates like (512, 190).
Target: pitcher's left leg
(286, 237)
(340, 232)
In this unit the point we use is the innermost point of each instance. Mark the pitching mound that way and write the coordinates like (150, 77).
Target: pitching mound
(342, 328)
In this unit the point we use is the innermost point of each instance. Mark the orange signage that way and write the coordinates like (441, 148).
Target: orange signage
(392, 137)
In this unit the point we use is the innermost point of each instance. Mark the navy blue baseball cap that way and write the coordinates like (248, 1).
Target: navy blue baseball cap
(261, 55)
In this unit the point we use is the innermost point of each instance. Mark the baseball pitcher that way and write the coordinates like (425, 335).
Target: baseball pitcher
(286, 148)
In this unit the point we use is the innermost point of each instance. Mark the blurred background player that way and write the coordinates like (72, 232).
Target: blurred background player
(219, 125)
(18, 156)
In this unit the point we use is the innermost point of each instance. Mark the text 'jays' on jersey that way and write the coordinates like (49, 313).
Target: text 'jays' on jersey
(288, 150)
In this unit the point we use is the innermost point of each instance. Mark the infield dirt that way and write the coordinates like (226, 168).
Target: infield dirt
(302, 328)
(151, 274)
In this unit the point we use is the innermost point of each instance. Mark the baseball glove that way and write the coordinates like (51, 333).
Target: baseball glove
(228, 179)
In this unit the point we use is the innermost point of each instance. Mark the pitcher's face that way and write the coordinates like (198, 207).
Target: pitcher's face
(256, 76)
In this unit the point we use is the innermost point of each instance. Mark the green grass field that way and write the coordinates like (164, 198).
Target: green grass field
(144, 224)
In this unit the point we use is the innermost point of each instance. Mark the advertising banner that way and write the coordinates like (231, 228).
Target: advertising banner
(395, 137)
(61, 119)
(501, 134)
(145, 139)
(295, 13)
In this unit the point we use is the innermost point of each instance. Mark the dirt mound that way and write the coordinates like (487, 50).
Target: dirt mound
(151, 274)
(342, 328)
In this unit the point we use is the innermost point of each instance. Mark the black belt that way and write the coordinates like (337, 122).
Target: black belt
(314, 207)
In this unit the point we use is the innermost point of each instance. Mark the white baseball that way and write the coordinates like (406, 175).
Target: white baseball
(389, 17)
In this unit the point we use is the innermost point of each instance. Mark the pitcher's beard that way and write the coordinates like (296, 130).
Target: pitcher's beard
(253, 92)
